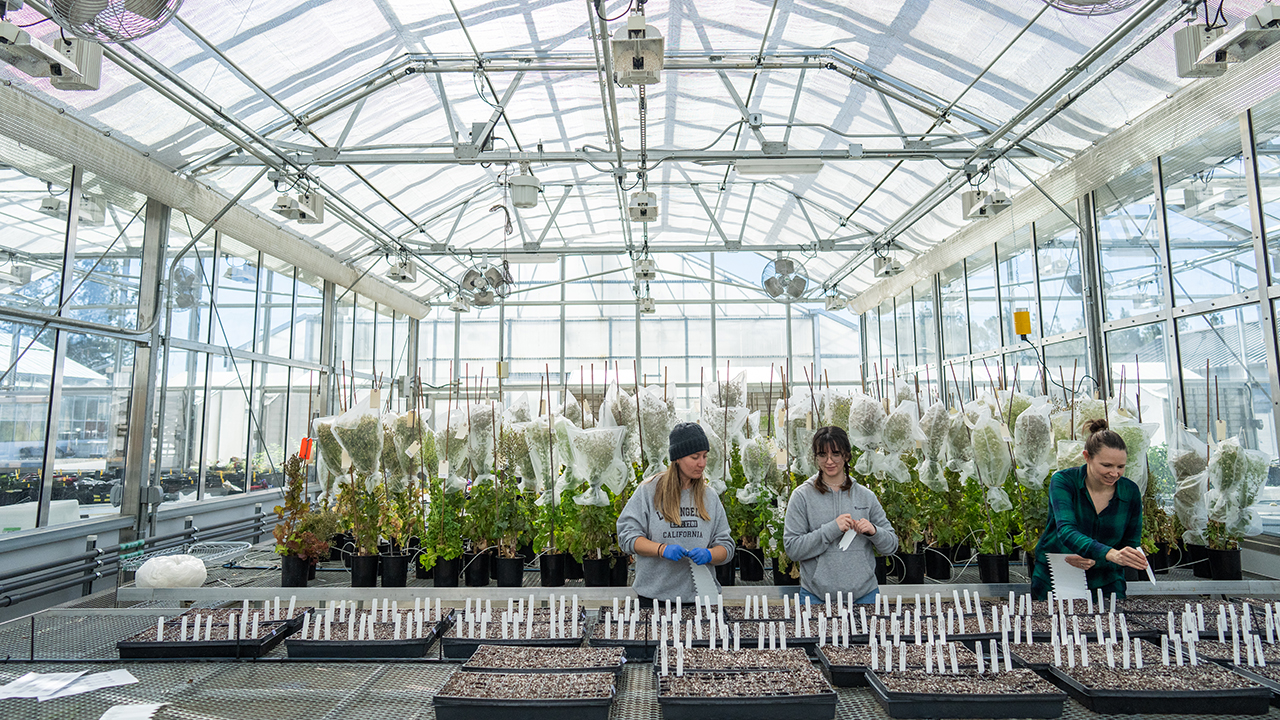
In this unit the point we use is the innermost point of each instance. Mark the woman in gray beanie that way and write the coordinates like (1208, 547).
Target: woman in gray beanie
(675, 519)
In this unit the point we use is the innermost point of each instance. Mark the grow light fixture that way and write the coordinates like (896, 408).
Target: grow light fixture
(836, 302)
(886, 266)
(643, 207)
(460, 304)
(646, 269)
(403, 270)
(981, 204)
(1189, 43)
(241, 273)
(15, 275)
(779, 166)
(31, 56)
(307, 208)
(646, 306)
(1251, 36)
(637, 53)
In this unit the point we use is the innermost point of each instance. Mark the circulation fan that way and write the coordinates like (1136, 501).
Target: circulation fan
(184, 288)
(784, 279)
(113, 21)
(486, 283)
(1090, 7)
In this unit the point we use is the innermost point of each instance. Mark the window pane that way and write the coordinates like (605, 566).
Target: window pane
(1228, 346)
(236, 300)
(227, 432)
(1128, 244)
(926, 329)
(180, 433)
(984, 312)
(1138, 357)
(955, 317)
(362, 353)
(905, 318)
(837, 339)
(1266, 124)
(308, 319)
(271, 399)
(1067, 364)
(888, 338)
(1017, 283)
(1210, 235)
(34, 191)
(275, 309)
(1058, 244)
(108, 262)
(93, 423)
(872, 320)
(25, 361)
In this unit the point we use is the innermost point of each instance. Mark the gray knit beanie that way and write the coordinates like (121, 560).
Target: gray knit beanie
(686, 439)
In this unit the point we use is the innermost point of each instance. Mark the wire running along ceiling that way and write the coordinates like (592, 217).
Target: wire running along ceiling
(921, 53)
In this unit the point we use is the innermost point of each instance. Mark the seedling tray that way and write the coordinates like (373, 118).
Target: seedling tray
(270, 634)
(462, 707)
(843, 675)
(757, 707)
(959, 705)
(1263, 680)
(615, 667)
(462, 648)
(1233, 701)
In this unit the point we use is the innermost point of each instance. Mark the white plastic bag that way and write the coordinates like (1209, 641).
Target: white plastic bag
(1188, 458)
(1137, 440)
(866, 422)
(571, 408)
(537, 438)
(1236, 474)
(1033, 444)
(483, 426)
(727, 422)
(732, 393)
(657, 417)
(171, 571)
(519, 410)
(991, 456)
(597, 457)
(452, 439)
(717, 460)
(359, 432)
(619, 410)
(934, 426)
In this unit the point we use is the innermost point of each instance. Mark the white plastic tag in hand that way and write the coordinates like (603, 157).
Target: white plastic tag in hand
(704, 580)
(847, 540)
(1150, 575)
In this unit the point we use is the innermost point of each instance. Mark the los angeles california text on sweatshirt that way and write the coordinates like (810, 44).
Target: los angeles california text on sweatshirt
(812, 538)
(657, 577)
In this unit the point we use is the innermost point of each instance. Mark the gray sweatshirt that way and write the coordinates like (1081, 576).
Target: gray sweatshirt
(812, 538)
(657, 577)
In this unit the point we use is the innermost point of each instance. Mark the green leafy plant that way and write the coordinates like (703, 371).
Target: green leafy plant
(443, 537)
(480, 523)
(291, 537)
(511, 520)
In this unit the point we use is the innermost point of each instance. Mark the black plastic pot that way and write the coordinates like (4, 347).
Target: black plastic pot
(418, 571)
(960, 553)
(293, 571)
(725, 575)
(782, 575)
(937, 562)
(1225, 564)
(335, 547)
(364, 571)
(1198, 559)
(1160, 560)
(993, 568)
(552, 569)
(620, 574)
(751, 565)
(596, 573)
(912, 567)
(446, 572)
(572, 568)
(348, 550)
(476, 569)
(509, 572)
(395, 570)
(311, 571)
(527, 553)
(882, 570)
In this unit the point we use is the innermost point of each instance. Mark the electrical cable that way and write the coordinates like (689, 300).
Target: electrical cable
(38, 22)
(599, 5)
(1049, 374)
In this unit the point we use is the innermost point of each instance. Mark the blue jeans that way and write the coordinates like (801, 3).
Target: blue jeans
(864, 600)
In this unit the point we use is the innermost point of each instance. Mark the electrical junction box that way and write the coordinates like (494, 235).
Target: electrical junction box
(1188, 43)
(86, 56)
(643, 207)
(980, 204)
(646, 269)
(637, 53)
(31, 56)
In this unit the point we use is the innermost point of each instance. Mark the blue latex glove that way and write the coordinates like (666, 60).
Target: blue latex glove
(700, 556)
(673, 552)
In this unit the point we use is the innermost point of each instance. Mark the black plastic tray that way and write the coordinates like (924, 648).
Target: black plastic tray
(269, 636)
(1241, 701)
(1262, 680)
(843, 675)
(927, 705)
(635, 650)
(360, 649)
(772, 707)
(615, 669)
(453, 708)
(463, 648)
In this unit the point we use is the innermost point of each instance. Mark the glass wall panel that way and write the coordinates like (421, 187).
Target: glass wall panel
(25, 362)
(479, 348)
(302, 384)
(1266, 127)
(235, 300)
(308, 319)
(1016, 261)
(34, 192)
(267, 428)
(1058, 247)
(108, 262)
(839, 347)
(344, 330)
(363, 337)
(388, 344)
(228, 427)
(275, 309)
(192, 282)
(872, 320)
(1139, 362)
(93, 423)
(1224, 376)
(888, 338)
(1210, 235)
(955, 316)
(984, 310)
(926, 328)
(435, 345)
(1066, 363)
(1023, 370)
(1128, 244)
(180, 434)
(904, 317)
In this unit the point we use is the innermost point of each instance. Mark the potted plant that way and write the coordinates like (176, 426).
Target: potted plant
(322, 522)
(479, 527)
(299, 547)
(441, 549)
(511, 523)
(747, 519)
(1235, 477)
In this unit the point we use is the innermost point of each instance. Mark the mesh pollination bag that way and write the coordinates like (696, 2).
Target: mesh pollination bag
(1236, 474)
(934, 426)
(1188, 458)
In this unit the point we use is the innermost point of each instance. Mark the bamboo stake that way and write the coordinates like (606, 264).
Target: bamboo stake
(1137, 381)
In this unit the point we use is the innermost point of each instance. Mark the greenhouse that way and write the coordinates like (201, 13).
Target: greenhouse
(376, 357)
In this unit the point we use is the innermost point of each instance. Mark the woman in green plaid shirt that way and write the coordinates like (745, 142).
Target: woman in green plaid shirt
(1095, 514)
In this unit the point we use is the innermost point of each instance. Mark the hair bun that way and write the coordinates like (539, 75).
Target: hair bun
(1097, 426)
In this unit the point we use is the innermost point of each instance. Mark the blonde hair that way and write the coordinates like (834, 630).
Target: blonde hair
(666, 494)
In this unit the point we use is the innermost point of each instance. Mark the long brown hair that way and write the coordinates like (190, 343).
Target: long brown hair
(666, 494)
(1101, 435)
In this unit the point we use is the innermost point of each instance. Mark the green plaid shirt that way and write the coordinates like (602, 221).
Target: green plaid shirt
(1075, 527)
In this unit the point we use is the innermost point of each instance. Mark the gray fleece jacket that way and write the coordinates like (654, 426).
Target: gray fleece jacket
(812, 538)
(658, 577)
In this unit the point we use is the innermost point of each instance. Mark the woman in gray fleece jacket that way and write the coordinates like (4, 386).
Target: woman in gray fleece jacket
(826, 509)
